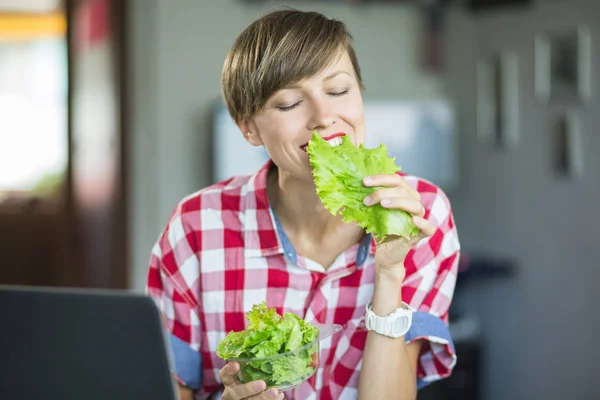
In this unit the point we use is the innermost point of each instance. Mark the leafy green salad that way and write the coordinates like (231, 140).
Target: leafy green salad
(339, 171)
(259, 348)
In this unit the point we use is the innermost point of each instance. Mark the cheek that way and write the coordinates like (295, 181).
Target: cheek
(353, 108)
(277, 132)
(355, 115)
(358, 116)
(359, 109)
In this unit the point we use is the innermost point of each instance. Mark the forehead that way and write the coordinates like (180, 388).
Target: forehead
(341, 63)
(338, 64)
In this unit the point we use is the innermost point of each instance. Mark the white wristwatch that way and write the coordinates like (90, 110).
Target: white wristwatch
(395, 325)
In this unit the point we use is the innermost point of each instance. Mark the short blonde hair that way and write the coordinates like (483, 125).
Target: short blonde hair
(277, 50)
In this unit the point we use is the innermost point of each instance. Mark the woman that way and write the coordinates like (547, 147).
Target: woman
(267, 237)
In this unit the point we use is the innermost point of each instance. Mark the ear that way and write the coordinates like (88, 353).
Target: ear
(249, 132)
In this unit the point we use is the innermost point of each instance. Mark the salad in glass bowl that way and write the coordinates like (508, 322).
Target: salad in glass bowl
(281, 350)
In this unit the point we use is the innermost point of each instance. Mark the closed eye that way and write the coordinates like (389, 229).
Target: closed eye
(338, 93)
(291, 107)
(288, 108)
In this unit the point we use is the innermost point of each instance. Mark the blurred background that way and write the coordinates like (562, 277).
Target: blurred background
(110, 113)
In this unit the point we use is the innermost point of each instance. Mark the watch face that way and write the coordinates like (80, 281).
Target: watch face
(394, 325)
(400, 324)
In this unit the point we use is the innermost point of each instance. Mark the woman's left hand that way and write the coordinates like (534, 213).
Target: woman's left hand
(397, 193)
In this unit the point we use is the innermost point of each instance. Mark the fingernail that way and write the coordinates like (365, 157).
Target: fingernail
(260, 385)
(281, 396)
(385, 202)
(418, 220)
(367, 180)
(233, 367)
(272, 394)
(367, 200)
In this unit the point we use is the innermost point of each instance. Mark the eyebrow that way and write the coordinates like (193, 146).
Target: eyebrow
(334, 74)
(327, 78)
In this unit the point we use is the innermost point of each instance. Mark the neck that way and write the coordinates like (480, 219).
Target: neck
(298, 206)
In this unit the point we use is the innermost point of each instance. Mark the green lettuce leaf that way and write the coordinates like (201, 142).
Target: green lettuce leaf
(269, 334)
(338, 173)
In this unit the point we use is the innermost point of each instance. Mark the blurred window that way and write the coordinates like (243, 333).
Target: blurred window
(33, 105)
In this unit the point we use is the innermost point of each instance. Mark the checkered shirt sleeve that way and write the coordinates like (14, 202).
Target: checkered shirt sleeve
(173, 271)
(431, 271)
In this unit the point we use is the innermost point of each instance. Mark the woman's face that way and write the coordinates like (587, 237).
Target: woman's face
(330, 103)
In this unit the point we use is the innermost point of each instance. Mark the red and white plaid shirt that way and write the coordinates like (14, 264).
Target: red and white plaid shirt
(223, 250)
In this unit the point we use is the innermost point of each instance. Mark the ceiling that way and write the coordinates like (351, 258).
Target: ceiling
(27, 6)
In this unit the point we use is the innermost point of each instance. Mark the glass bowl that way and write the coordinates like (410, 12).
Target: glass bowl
(285, 371)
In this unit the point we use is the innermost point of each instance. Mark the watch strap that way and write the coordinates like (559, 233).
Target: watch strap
(395, 325)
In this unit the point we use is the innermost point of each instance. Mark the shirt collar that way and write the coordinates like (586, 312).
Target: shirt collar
(264, 235)
(373, 246)
(260, 235)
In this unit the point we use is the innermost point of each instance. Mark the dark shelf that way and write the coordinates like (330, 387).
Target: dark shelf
(484, 268)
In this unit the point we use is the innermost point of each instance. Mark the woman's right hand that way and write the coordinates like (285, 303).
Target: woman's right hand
(252, 390)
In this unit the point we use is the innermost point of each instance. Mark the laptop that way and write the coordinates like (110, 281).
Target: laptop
(81, 344)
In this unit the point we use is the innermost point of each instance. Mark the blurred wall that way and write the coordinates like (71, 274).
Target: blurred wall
(178, 48)
(541, 327)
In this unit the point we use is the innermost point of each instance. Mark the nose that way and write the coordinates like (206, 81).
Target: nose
(322, 116)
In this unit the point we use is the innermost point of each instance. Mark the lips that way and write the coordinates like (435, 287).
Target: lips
(331, 139)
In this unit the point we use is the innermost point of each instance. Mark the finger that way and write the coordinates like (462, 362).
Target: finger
(409, 205)
(250, 391)
(391, 180)
(270, 394)
(411, 189)
(227, 374)
(383, 180)
(426, 227)
(395, 198)
(377, 195)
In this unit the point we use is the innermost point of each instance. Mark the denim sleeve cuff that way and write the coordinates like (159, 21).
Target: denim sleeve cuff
(187, 363)
(439, 361)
